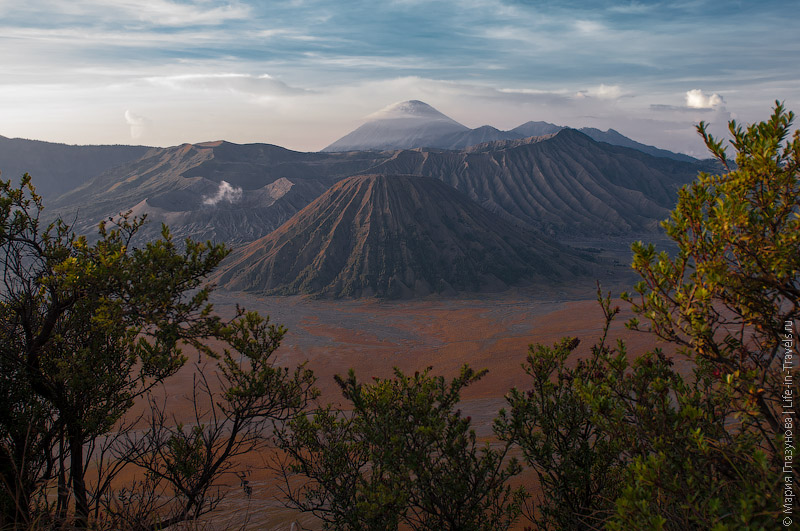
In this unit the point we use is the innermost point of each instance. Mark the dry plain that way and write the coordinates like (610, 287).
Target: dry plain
(490, 331)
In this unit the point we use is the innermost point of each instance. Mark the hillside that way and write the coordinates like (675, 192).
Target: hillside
(215, 190)
(565, 183)
(58, 168)
(395, 236)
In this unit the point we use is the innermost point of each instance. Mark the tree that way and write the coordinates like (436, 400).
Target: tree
(701, 447)
(726, 300)
(578, 466)
(90, 327)
(182, 463)
(726, 296)
(402, 456)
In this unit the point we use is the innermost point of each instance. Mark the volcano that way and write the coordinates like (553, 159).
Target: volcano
(406, 124)
(396, 236)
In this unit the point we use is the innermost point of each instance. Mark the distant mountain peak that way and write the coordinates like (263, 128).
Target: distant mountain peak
(402, 125)
(409, 109)
(536, 129)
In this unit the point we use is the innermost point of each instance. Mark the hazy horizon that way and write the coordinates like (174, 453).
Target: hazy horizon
(301, 74)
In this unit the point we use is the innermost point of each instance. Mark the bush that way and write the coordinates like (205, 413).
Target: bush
(403, 456)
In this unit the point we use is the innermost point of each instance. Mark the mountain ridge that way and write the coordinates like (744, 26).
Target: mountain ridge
(173, 185)
(415, 124)
(58, 168)
(563, 183)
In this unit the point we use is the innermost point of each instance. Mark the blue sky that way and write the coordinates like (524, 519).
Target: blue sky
(301, 73)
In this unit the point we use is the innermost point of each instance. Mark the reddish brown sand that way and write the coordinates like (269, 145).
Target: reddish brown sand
(491, 332)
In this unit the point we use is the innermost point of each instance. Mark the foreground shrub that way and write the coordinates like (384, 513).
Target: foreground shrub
(404, 455)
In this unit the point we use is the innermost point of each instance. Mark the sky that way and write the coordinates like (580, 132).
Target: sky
(302, 73)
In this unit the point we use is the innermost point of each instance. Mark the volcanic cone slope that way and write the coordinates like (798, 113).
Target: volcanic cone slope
(396, 236)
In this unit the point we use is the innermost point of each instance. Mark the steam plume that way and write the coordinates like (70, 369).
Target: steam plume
(226, 192)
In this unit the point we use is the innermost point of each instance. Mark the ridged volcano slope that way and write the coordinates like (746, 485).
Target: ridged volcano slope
(564, 183)
(395, 237)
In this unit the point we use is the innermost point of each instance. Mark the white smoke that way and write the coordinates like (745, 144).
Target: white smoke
(137, 123)
(226, 192)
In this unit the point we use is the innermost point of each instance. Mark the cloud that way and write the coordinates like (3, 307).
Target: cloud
(662, 107)
(447, 94)
(602, 92)
(590, 27)
(160, 12)
(252, 85)
(632, 8)
(696, 99)
(137, 123)
(226, 192)
(283, 33)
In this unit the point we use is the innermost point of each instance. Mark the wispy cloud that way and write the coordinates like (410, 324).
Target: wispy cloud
(603, 92)
(153, 12)
(89, 38)
(591, 28)
(197, 68)
(253, 85)
(631, 8)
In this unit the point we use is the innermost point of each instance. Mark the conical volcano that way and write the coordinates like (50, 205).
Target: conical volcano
(395, 236)
(406, 124)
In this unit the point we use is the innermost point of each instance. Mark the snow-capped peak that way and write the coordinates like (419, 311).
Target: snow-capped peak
(408, 109)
